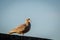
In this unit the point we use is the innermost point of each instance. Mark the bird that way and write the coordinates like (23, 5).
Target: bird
(23, 28)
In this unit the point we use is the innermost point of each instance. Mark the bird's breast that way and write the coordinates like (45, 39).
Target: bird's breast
(27, 28)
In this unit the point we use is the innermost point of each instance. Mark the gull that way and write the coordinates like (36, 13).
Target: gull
(23, 28)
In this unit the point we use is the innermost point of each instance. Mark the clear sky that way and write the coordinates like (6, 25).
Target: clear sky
(44, 16)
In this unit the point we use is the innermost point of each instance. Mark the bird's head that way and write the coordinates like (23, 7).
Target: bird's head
(27, 20)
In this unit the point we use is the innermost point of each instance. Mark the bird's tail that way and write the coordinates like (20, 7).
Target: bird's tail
(10, 33)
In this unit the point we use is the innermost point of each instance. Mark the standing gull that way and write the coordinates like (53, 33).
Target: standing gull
(23, 28)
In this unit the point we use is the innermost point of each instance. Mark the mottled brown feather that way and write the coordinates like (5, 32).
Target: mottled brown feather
(21, 29)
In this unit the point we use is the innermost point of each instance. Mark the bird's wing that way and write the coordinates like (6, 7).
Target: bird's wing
(21, 27)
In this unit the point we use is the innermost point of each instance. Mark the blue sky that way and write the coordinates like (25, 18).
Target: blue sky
(44, 16)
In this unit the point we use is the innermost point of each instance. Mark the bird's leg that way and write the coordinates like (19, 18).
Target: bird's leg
(23, 34)
(23, 37)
